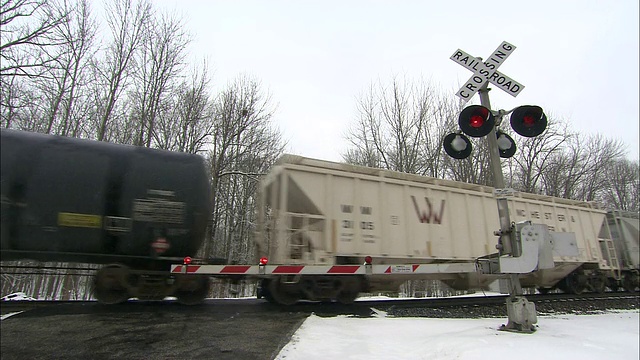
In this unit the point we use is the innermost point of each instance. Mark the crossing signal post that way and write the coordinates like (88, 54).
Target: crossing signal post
(480, 121)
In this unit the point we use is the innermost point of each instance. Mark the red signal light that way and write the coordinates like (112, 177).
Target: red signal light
(528, 121)
(264, 260)
(187, 260)
(476, 121)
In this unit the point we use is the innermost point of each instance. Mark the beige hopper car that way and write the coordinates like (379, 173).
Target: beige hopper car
(316, 212)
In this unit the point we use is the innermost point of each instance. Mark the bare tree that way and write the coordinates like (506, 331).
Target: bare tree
(160, 59)
(578, 170)
(27, 38)
(14, 100)
(63, 85)
(600, 153)
(399, 127)
(622, 185)
(188, 123)
(127, 22)
(533, 156)
(26, 35)
(476, 169)
(244, 144)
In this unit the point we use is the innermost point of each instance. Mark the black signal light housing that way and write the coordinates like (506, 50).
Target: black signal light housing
(528, 120)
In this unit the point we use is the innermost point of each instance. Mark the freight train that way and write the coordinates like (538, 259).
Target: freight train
(135, 210)
(140, 211)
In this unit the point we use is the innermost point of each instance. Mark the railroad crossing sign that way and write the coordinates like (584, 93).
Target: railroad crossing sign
(486, 71)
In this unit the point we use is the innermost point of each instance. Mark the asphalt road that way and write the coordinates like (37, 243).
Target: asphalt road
(235, 330)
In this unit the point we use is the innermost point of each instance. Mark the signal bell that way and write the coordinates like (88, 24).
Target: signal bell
(457, 146)
(506, 145)
(528, 120)
(476, 121)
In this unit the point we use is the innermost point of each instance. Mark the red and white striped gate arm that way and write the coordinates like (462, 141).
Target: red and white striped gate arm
(324, 269)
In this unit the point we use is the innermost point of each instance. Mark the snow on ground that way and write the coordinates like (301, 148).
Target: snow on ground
(612, 335)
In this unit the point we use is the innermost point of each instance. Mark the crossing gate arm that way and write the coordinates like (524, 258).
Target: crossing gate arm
(261, 270)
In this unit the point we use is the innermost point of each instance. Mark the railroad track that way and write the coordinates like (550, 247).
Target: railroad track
(495, 305)
(25, 305)
(460, 307)
(498, 299)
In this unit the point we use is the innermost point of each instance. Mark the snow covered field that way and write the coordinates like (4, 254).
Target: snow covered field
(613, 335)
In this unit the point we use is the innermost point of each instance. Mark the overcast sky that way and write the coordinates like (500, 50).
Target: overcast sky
(576, 59)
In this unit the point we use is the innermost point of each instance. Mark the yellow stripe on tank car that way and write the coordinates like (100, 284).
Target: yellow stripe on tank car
(79, 220)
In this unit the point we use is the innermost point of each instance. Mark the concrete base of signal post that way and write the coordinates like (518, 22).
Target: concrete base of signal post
(522, 315)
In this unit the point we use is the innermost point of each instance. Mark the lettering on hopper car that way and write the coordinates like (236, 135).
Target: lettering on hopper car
(348, 209)
(368, 239)
(547, 215)
(367, 225)
(430, 216)
(346, 237)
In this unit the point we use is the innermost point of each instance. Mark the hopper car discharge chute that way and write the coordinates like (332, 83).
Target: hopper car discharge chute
(134, 210)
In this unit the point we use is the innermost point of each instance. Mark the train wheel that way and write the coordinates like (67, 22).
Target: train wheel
(543, 291)
(630, 282)
(598, 283)
(347, 297)
(193, 291)
(263, 291)
(109, 285)
(281, 293)
(613, 284)
(350, 289)
(575, 283)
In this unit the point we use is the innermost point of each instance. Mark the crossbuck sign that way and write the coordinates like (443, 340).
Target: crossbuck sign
(486, 71)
